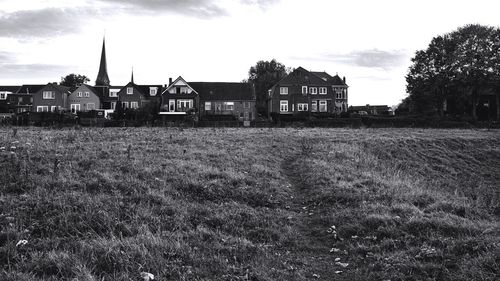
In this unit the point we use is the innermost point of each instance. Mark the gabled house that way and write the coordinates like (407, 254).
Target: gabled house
(306, 91)
(179, 98)
(229, 99)
(136, 96)
(51, 97)
(84, 98)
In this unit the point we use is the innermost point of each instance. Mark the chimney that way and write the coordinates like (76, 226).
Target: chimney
(170, 81)
(343, 79)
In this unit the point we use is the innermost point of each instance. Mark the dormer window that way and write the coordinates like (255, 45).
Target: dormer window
(130, 91)
(113, 93)
(153, 91)
(283, 90)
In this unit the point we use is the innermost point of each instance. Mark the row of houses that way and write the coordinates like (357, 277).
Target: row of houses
(300, 91)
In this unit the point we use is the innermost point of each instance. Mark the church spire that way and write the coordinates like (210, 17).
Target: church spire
(102, 77)
(132, 78)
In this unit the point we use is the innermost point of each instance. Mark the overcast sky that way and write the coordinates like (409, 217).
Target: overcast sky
(369, 42)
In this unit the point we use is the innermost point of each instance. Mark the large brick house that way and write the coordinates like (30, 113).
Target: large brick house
(306, 91)
(226, 99)
(51, 97)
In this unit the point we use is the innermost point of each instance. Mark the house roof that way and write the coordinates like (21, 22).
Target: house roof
(223, 90)
(30, 89)
(62, 89)
(12, 89)
(302, 76)
(145, 89)
(332, 80)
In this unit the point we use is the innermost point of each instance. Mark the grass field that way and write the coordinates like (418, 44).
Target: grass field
(249, 204)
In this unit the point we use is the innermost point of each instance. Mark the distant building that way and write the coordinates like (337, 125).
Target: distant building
(226, 99)
(179, 98)
(84, 98)
(372, 109)
(5, 93)
(51, 97)
(22, 100)
(136, 96)
(306, 91)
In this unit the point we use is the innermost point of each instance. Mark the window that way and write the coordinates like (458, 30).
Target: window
(314, 106)
(134, 105)
(339, 95)
(322, 90)
(284, 106)
(80, 94)
(49, 95)
(130, 91)
(20, 100)
(313, 90)
(304, 90)
(229, 105)
(246, 104)
(283, 90)
(87, 94)
(153, 91)
(53, 108)
(3, 96)
(302, 106)
(125, 104)
(113, 105)
(90, 106)
(42, 109)
(208, 105)
(184, 105)
(184, 90)
(113, 93)
(322, 106)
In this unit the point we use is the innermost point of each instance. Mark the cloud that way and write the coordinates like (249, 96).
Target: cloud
(41, 23)
(12, 70)
(195, 8)
(373, 58)
(7, 57)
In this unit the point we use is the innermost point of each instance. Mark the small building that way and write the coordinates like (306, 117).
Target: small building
(179, 98)
(226, 99)
(84, 98)
(135, 96)
(51, 97)
(5, 93)
(372, 109)
(306, 91)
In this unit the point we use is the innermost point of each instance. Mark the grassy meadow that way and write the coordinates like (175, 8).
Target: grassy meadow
(249, 204)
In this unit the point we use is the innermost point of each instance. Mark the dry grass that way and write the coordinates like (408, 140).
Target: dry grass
(249, 204)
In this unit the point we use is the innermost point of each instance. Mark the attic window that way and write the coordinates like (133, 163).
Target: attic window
(130, 91)
(153, 91)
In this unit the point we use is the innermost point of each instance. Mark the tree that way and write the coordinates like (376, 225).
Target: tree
(455, 70)
(264, 75)
(73, 81)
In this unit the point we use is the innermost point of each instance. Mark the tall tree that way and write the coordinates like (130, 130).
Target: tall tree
(264, 75)
(459, 66)
(73, 81)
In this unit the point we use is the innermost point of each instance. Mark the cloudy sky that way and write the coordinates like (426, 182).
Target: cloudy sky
(369, 42)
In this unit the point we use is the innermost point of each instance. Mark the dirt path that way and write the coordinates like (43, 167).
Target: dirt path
(311, 257)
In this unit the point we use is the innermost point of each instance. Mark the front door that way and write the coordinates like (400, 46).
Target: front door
(171, 105)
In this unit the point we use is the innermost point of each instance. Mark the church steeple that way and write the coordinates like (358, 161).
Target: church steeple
(102, 77)
(132, 77)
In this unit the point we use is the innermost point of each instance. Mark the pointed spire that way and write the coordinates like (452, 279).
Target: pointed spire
(102, 77)
(132, 78)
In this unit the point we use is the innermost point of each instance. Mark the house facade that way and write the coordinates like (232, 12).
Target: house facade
(84, 98)
(306, 91)
(226, 99)
(179, 98)
(51, 97)
(135, 96)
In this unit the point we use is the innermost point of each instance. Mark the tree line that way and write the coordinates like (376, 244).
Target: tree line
(456, 72)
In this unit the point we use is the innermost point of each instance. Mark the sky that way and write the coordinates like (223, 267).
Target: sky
(369, 42)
